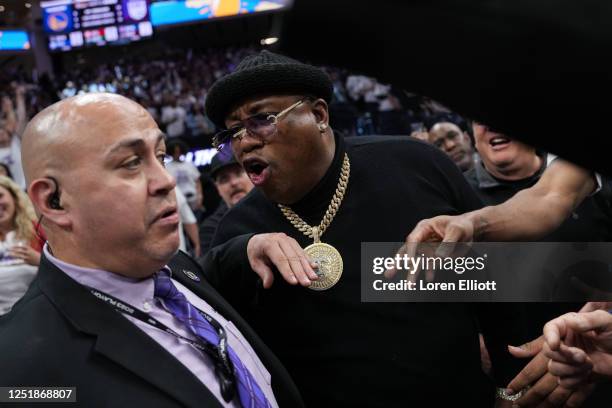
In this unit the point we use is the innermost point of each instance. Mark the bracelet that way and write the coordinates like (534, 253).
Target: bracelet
(501, 393)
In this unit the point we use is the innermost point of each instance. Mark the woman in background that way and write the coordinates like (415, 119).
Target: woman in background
(20, 245)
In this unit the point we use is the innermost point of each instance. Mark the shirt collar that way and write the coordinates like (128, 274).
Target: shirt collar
(132, 291)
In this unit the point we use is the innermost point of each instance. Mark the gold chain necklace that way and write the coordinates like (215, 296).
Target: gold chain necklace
(326, 257)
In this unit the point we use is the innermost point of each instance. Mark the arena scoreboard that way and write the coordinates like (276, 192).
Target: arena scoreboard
(80, 23)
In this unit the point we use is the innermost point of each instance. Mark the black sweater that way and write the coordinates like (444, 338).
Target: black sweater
(345, 353)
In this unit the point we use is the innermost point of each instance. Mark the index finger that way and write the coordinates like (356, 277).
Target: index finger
(554, 331)
(423, 232)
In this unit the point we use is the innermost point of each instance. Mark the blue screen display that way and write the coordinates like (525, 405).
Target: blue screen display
(182, 11)
(14, 40)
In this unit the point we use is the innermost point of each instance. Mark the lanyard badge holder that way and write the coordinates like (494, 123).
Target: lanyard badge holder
(219, 354)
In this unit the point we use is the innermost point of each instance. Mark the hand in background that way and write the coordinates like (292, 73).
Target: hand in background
(27, 253)
(545, 389)
(579, 346)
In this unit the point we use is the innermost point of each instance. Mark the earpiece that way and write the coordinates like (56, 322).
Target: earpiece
(54, 198)
(322, 127)
(54, 201)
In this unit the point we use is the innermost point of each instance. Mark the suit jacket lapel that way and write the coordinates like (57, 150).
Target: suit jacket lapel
(285, 390)
(120, 341)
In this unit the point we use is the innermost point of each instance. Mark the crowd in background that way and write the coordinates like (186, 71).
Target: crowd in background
(173, 88)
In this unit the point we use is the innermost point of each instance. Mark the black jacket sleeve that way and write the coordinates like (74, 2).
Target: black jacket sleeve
(228, 270)
(209, 227)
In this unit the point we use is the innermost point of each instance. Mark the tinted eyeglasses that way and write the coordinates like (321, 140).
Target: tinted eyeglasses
(262, 125)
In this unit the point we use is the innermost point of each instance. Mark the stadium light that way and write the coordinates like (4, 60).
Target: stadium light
(269, 40)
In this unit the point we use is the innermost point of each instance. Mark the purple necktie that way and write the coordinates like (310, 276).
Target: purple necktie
(251, 395)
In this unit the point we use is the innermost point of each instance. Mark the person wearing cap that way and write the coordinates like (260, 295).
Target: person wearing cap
(233, 184)
(333, 193)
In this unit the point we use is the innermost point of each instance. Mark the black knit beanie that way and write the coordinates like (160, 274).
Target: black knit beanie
(265, 73)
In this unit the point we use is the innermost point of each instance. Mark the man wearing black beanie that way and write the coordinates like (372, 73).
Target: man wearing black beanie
(319, 188)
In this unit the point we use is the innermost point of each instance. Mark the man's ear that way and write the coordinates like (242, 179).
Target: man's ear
(45, 195)
(321, 111)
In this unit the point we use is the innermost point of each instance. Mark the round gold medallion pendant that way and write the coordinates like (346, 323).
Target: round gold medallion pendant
(330, 265)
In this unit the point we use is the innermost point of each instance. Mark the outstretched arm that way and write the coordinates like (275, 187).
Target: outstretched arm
(529, 215)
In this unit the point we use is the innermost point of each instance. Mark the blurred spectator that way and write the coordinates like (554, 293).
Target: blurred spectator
(393, 119)
(198, 125)
(19, 246)
(340, 94)
(365, 92)
(188, 225)
(232, 184)
(186, 173)
(173, 86)
(173, 116)
(11, 126)
(455, 142)
(343, 112)
(358, 86)
(68, 91)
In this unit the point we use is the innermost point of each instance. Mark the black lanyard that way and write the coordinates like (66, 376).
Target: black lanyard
(219, 354)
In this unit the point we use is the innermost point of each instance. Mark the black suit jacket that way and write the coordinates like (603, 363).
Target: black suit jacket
(61, 335)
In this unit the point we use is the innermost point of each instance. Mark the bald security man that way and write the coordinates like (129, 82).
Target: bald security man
(115, 311)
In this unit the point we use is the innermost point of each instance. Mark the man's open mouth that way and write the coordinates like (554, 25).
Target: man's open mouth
(257, 170)
(167, 216)
(499, 141)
